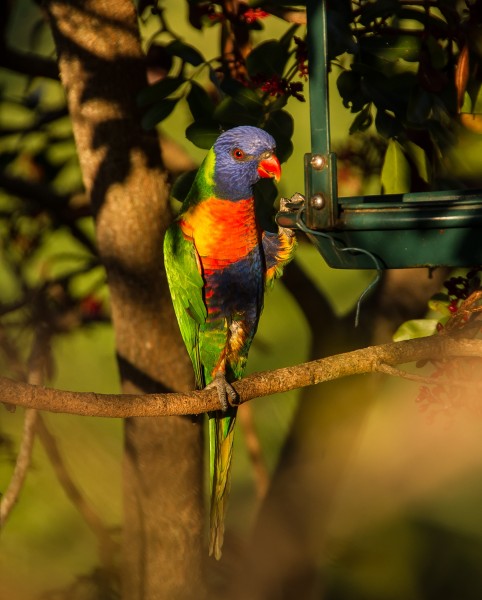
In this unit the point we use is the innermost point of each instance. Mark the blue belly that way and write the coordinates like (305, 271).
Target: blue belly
(236, 291)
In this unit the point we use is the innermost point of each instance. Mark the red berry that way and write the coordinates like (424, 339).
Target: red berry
(453, 308)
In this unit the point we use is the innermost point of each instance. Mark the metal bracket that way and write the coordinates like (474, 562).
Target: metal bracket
(321, 206)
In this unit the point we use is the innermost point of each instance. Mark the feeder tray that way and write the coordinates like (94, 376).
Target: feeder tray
(428, 229)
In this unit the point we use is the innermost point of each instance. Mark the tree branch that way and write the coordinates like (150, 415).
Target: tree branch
(39, 356)
(90, 516)
(297, 17)
(28, 63)
(357, 362)
(22, 464)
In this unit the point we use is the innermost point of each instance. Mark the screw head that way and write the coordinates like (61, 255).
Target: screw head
(318, 162)
(317, 201)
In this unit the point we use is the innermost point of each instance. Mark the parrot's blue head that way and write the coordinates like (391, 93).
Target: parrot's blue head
(243, 155)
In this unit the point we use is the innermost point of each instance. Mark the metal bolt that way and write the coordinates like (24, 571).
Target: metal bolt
(317, 201)
(318, 162)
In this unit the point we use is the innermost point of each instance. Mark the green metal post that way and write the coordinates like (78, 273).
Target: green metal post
(320, 167)
(317, 56)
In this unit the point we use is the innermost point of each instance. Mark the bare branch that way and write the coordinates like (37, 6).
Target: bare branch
(22, 465)
(357, 362)
(38, 356)
(28, 63)
(297, 17)
(95, 523)
(389, 370)
(394, 372)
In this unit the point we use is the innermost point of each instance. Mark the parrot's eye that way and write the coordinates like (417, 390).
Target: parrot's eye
(238, 154)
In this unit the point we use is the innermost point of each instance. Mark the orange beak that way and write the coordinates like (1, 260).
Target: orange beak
(270, 167)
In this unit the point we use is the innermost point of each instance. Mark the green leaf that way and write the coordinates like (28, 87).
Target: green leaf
(387, 125)
(340, 36)
(231, 112)
(420, 159)
(440, 303)
(392, 48)
(477, 102)
(36, 35)
(158, 113)
(249, 99)
(6, 158)
(185, 52)
(417, 328)
(349, 88)
(467, 103)
(419, 106)
(182, 185)
(284, 146)
(200, 104)
(268, 58)
(430, 21)
(438, 56)
(288, 35)
(348, 84)
(265, 194)
(203, 135)
(159, 90)
(280, 124)
(245, 108)
(231, 86)
(362, 121)
(389, 92)
(380, 8)
(442, 134)
(395, 176)
(278, 104)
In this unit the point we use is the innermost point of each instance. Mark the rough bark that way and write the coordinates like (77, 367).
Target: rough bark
(102, 70)
(372, 359)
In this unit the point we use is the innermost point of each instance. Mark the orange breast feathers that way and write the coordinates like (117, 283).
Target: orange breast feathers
(223, 231)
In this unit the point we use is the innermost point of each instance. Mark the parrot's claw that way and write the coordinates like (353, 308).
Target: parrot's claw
(226, 393)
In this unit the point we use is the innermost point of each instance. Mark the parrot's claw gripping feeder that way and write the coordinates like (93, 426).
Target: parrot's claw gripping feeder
(427, 229)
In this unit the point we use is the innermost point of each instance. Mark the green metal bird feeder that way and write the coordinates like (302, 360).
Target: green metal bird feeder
(391, 231)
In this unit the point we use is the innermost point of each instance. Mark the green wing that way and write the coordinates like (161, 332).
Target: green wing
(186, 284)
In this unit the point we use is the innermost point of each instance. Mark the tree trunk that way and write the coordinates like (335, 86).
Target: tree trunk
(102, 69)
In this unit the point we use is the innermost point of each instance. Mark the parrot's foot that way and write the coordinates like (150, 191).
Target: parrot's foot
(226, 393)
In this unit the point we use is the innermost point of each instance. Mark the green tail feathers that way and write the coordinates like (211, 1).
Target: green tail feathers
(221, 438)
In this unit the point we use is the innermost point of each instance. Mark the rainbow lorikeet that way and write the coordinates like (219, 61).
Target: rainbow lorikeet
(218, 263)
